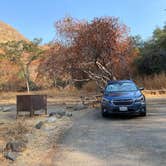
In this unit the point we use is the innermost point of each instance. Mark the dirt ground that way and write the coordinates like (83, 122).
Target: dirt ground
(88, 139)
(116, 141)
(42, 143)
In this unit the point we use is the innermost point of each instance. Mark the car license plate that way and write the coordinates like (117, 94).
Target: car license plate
(123, 108)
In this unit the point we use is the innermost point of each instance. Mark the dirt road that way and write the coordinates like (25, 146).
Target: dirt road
(94, 141)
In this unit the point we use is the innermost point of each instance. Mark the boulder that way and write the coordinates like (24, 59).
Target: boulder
(15, 146)
(61, 113)
(69, 107)
(1, 108)
(51, 119)
(39, 125)
(79, 107)
(58, 114)
(68, 114)
(6, 109)
(11, 155)
(52, 114)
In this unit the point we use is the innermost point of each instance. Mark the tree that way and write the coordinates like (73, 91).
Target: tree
(53, 64)
(153, 54)
(99, 50)
(22, 53)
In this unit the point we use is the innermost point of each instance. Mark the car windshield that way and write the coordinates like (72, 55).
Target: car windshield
(121, 87)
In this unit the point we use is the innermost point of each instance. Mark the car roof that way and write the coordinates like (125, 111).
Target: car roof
(119, 81)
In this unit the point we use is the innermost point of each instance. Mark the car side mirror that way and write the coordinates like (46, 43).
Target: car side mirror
(141, 88)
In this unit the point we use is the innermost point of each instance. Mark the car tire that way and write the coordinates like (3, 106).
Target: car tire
(143, 113)
(104, 114)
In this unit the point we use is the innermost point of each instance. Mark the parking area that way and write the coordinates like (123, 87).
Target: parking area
(116, 141)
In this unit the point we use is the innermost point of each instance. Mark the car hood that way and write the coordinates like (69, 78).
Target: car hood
(123, 95)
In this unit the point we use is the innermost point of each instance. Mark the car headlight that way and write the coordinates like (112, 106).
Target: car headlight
(140, 99)
(105, 101)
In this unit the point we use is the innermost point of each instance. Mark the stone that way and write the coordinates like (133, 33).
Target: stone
(15, 146)
(1, 108)
(69, 106)
(39, 125)
(61, 112)
(51, 119)
(52, 114)
(58, 116)
(68, 114)
(79, 107)
(6, 109)
(11, 156)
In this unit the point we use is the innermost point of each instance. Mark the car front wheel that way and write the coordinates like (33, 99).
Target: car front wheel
(143, 113)
(103, 113)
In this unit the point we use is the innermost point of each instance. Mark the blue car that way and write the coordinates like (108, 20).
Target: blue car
(123, 97)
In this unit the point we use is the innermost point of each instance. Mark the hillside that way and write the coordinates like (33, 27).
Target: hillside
(8, 33)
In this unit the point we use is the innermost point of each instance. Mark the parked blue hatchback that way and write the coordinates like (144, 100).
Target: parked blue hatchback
(123, 97)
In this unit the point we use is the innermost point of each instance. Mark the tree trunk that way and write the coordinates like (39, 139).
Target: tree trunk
(27, 78)
(28, 87)
(54, 80)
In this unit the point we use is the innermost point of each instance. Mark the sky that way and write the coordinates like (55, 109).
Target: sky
(36, 18)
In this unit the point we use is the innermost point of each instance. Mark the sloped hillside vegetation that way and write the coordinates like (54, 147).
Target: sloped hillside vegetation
(8, 33)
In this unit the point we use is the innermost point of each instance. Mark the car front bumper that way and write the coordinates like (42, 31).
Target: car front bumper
(135, 109)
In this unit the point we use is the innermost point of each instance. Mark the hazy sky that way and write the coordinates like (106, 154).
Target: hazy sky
(35, 18)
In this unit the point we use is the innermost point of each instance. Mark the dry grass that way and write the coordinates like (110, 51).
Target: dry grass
(17, 130)
(155, 82)
(52, 94)
(90, 87)
(8, 33)
(59, 92)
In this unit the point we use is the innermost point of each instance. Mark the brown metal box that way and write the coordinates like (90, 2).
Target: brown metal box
(31, 103)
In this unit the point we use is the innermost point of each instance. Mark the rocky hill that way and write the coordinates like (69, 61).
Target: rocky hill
(8, 33)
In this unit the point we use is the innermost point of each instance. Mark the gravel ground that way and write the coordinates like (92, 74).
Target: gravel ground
(115, 141)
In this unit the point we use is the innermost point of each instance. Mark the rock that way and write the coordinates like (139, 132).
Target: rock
(52, 113)
(68, 114)
(11, 156)
(16, 146)
(6, 109)
(58, 114)
(79, 107)
(39, 125)
(1, 108)
(69, 106)
(51, 119)
(61, 112)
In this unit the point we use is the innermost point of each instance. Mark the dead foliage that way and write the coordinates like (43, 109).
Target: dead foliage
(17, 130)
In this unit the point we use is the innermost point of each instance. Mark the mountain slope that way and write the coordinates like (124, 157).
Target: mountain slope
(8, 33)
